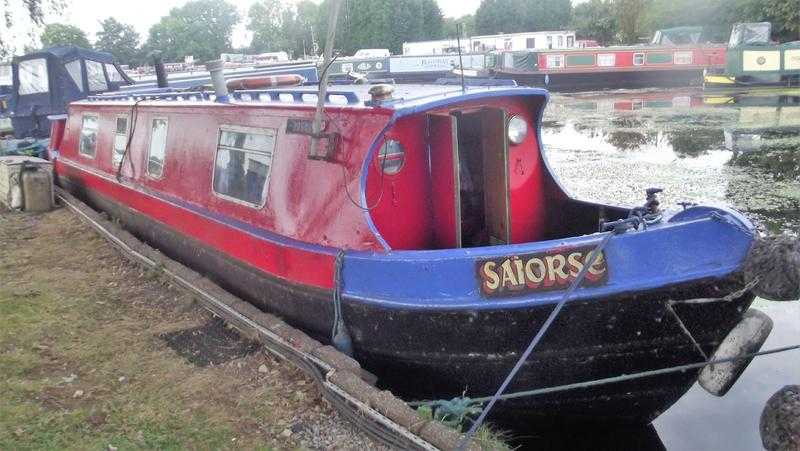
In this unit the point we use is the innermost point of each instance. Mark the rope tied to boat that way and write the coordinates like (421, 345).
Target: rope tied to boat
(614, 228)
(609, 380)
(339, 336)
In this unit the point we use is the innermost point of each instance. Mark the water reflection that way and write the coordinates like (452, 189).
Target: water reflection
(741, 150)
(592, 437)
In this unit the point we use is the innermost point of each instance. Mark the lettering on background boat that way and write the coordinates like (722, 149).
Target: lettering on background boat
(545, 271)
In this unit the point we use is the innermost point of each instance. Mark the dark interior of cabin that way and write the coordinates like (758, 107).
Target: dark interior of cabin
(477, 153)
(471, 180)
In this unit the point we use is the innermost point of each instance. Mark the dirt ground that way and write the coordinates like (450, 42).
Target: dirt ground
(98, 353)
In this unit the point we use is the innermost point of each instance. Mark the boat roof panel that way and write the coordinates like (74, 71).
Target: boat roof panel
(405, 96)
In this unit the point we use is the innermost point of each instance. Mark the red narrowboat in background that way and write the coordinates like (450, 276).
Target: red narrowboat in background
(432, 217)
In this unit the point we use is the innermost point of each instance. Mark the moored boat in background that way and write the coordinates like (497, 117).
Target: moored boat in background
(754, 60)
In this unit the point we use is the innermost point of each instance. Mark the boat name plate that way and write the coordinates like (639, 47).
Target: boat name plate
(545, 271)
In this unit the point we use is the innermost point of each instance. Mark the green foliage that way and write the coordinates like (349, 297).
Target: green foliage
(277, 27)
(201, 28)
(381, 24)
(596, 20)
(456, 412)
(467, 22)
(629, 16)
(32, 20)
(512, 16)
(121, 40)
(61, 34)
(718, 16)
(631, 21)
(784, 15)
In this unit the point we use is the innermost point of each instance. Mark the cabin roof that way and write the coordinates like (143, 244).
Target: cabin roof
(405, 97)
(66, 52)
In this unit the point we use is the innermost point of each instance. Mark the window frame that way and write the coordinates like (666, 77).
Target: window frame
(552, 56)
(642, 55)
(605, 58)
(112, 69)
(530, 43)
(81, 72)
(150, 148)
(265, 189)
(683, 58)
(27, 84)
(127, 137)
(80, 135)
(89, 79)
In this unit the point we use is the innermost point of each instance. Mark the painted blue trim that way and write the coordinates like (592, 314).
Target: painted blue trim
(709, 247)
(240, 226)
(362, 184)
(457, 97)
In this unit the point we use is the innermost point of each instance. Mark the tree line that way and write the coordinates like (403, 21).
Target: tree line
(204, 28)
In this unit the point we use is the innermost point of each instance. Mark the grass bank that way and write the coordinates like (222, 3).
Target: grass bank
(96, 353)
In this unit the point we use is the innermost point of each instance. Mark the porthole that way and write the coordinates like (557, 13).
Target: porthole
(392, 157)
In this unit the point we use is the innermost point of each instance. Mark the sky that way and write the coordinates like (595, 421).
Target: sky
(142, 14)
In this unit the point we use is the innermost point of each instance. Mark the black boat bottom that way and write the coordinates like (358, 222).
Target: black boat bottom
(437, 354)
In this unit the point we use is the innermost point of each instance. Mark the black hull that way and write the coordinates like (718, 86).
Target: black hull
(590, 81)
(440, 355)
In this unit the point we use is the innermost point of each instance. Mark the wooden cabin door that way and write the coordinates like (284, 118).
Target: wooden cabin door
(495, 176)
(445, 184)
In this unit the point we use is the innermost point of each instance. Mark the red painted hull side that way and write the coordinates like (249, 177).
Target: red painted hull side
(702, 57)
(287, 262)
(305, 201)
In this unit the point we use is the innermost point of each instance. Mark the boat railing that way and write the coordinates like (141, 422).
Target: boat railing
(252, 95)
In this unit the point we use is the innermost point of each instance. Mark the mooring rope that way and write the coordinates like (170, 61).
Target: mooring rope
(620, 378)
(339, 335)
(538, 337)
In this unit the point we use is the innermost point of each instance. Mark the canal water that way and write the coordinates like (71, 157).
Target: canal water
(738, 149)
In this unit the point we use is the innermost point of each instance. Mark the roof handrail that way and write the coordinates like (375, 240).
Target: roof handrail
(250, 95)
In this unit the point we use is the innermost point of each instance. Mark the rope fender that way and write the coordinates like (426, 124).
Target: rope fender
(774, 263)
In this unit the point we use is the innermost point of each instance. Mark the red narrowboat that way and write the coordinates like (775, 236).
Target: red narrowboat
(428, 226)
(611, 67)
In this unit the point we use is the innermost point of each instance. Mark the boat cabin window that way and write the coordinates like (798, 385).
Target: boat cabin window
(113, 73)
(682, 57)
(243, 164)
(96, 76)
(33, 78)
(555, 61)
(75, 73)
(606, 59)
(158, 148)
(88, 143)
(638, 59)
(120, 140)
(530, 43)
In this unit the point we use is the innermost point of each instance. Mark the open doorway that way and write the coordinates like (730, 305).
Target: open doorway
(469, 166)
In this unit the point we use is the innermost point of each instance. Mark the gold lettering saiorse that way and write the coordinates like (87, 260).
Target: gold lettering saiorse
(546, 271)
